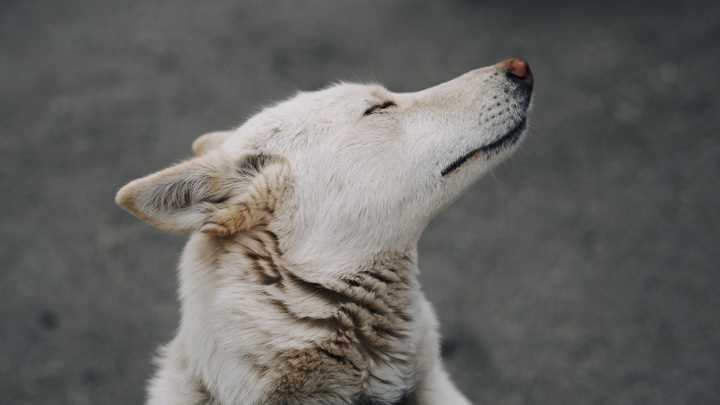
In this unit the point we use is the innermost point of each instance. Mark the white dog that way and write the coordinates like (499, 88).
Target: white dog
(299, 281)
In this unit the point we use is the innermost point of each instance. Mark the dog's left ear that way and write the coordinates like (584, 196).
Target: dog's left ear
(213, 193)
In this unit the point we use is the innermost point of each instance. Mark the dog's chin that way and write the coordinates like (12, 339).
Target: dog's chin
(501, 146)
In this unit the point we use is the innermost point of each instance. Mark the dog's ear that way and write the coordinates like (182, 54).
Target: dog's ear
(213, 193)
(209, 141)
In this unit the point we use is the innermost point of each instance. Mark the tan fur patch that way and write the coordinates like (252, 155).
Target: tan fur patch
(227, 221)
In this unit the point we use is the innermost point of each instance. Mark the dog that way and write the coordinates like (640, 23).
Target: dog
(298, 284)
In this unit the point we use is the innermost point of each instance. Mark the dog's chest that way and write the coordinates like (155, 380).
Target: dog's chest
(345, 340)
(320, 374)
(359, 333)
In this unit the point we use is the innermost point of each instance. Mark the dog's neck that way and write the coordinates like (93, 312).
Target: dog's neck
(296, 329)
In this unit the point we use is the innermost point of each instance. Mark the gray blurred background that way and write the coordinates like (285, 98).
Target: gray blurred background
(586, 270)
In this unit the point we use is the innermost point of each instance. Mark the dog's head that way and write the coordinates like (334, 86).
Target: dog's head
(349, 165)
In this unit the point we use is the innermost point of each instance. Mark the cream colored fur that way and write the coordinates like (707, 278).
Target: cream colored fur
(299, 282)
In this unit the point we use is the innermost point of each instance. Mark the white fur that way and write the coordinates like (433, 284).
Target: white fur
(360, 184)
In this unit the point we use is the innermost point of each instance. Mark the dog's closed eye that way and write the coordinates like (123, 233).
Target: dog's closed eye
(379, 107)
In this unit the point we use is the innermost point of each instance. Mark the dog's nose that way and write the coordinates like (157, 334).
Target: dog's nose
(517, 69)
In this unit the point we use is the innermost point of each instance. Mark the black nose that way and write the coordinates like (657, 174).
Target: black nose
(517, 69)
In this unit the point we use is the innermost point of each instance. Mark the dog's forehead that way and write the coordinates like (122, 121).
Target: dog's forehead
(339, 95)
(287, 122)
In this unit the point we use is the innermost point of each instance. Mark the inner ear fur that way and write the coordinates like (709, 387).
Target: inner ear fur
(214, 194)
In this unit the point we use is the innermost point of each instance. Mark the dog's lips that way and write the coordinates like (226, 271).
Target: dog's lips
(505, 141)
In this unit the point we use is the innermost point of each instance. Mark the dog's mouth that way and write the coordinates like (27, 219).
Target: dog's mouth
(505, 141)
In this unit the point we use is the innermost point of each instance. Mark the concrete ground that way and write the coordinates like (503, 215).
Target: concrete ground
(584, 271)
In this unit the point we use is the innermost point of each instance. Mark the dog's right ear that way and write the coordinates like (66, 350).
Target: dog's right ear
(209, 141)
(212, 193)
